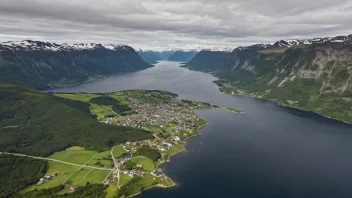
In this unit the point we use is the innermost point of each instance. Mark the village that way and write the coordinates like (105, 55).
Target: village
(170, 121)
(175, 111)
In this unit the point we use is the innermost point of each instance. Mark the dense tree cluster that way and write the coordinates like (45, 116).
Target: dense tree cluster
(134, 186)
(16, 173)
(90, 190)
(121, 109)
(39, 124)
(42, 69)
(148, 152)
(104, 100)
(129, 165)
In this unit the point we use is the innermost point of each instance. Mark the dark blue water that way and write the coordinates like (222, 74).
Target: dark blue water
(271, 151)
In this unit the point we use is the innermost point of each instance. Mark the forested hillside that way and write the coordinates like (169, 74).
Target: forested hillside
(314, 75)
(16, 173)
(43, 65)
(37, 123)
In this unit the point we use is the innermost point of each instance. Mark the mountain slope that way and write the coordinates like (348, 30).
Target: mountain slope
(151, 57)
(44, 65)
(182, 56)
(314, 75)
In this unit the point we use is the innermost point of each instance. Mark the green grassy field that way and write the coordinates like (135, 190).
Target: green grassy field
(124, 179)
(75, 148)
(118, 151)
(165, 181)
(146, 163)
(72, 175)
(76, 157)
(85, 97)
(95, 176)
(155, 129)
(91, 158)
(102, 159)
(140, 183)
(65, 172)
(111, 191)
(172, 126)
(173, 150)
(100, 111)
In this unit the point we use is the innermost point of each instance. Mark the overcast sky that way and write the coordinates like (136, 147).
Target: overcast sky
(164, 24)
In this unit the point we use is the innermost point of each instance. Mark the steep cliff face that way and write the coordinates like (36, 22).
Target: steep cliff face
(330, 63)
(207, 60)
(151, 57)
(315, 76)
(43, 65)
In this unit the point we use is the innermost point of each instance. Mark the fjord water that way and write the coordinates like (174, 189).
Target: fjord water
(268, 152)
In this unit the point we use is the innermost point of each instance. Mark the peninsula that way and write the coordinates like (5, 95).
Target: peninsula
(124, 169)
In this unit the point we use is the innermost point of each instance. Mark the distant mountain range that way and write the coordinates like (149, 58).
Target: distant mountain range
(43, 65)
(312, 74)
(153, 57)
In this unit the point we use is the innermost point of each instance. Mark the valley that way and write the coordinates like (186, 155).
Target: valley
(152, 56)
(122, 163)
(175, 99)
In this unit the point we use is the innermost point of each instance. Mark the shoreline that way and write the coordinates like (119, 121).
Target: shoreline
(93, 78)
(154, 186)
(168, 160)
(199, 134)
(282, 105)
(245, 95)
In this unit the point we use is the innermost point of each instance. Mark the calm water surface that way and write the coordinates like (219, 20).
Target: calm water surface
(269, 152)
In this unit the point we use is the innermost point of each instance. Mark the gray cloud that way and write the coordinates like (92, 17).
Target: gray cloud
(163, 24)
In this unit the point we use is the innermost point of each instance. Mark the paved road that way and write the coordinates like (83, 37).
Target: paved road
(55, 160)
(116, 166)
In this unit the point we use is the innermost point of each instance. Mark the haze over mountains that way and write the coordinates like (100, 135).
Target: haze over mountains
(152, 56)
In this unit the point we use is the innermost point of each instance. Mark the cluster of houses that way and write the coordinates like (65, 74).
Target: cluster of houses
(134, 172)
(157, 173)
(46, 178)
(157, 114)
(124, 158)
(161, 145)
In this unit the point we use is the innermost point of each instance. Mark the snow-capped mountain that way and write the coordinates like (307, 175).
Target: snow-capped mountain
(181, 55)
(290, 43)
(316, 76)
(43, 65)
(218, 49)
(294, 42)
(29, 45)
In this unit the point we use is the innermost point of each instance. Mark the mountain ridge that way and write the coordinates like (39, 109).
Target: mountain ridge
(44, 65)
(314, 76)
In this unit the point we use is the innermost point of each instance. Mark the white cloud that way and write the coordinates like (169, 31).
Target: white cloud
(162, 24)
